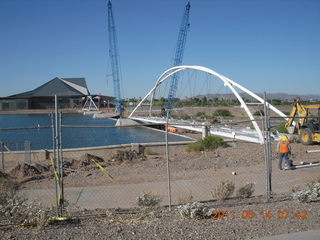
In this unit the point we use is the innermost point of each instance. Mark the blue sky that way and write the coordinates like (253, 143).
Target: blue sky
(265, 45)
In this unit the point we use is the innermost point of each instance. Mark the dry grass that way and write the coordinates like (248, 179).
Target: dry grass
(223, 190)
(149, 200)
(246, 190)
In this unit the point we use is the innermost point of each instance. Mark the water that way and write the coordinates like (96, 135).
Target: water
(73, 137)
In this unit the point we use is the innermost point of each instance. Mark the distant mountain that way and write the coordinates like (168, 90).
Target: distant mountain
(280, 96)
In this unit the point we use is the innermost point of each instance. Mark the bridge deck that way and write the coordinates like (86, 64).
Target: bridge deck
(245, 134)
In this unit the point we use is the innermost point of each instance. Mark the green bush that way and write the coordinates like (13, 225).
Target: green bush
(207, 144)
(222, 113)
(201, 115)
(195, 147)
(281, 128)
(258, 113)
(185, 117)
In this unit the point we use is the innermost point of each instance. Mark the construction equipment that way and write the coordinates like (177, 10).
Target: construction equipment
(308, 127)
(182, 37)
(114, 56)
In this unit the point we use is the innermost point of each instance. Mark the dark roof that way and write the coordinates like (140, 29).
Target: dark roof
(59, 87)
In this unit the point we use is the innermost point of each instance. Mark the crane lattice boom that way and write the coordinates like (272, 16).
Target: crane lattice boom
(114, 56)
(182, 37)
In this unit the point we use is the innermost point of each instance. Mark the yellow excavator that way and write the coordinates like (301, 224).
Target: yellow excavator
(308, 127)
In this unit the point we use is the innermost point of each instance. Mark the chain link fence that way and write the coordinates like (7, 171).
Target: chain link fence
(146, 174)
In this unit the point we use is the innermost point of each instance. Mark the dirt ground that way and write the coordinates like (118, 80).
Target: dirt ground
(132, 167)
(88, 191)
(193, 175)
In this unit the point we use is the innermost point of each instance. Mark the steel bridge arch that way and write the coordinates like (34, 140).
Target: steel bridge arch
(232, 85)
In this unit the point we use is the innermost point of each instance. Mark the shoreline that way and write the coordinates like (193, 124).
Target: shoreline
(38, 111)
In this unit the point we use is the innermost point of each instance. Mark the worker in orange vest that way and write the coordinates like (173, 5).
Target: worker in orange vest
(284, 149)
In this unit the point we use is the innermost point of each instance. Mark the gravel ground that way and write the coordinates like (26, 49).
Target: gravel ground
(159, 223)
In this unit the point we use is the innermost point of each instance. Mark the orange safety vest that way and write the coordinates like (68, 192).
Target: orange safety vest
(284, 146)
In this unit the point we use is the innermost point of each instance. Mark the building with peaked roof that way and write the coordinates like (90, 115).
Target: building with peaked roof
(71, 93)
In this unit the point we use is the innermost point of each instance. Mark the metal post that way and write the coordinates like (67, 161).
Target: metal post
(54, 155)
(53, 140)
(58, 157)
(61, 163)
(2, 154)
(269, 152)
(168, 162)
(267, 148)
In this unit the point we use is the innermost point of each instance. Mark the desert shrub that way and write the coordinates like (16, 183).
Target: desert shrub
(212, 142)
(195, 210)
(223, 190)
(201, 115)
(185, 117)
(8, 189)
(281, 128)
(301, 196)
(222, 113)
(213, 119)
(149, 200)
(246, 190)
(19, 211)
(295, 188)
(16, 210)
(207, 144)
(195, 147)
(312, 192)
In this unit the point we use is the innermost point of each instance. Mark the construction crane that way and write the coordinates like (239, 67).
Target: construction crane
(114, 57)
(182, 37)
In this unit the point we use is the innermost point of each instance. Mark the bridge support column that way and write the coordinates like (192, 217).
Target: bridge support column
(205, 131)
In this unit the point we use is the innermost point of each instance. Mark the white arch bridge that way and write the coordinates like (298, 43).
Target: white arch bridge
(253, 134)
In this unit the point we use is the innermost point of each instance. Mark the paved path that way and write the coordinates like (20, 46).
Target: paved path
(308, 235)
(125, 195)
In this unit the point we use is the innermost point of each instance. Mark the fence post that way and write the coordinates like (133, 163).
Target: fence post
(168, 162)
(267, 149)
(56, 131)
(2, 154)
(61, 163)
